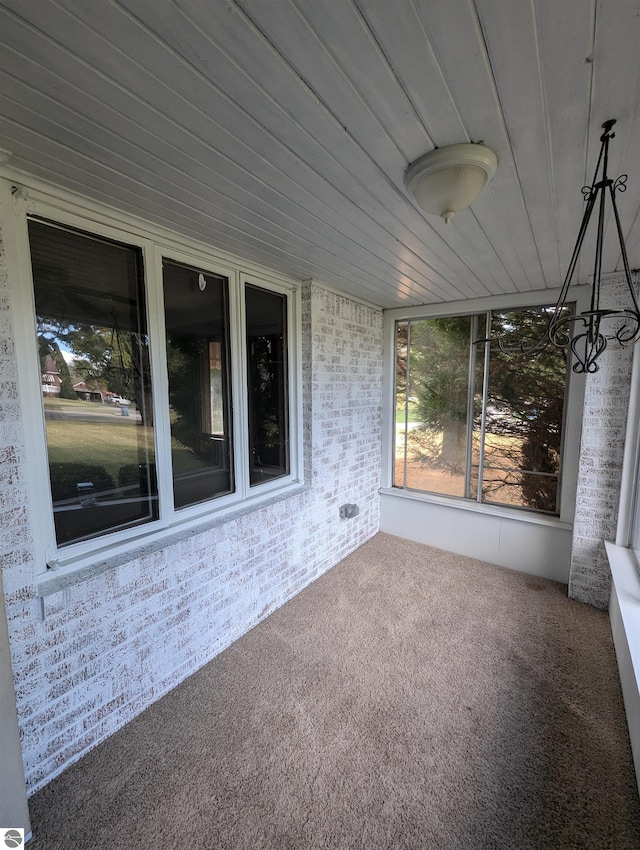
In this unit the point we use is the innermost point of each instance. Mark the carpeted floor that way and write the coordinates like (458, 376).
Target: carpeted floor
(409, 698)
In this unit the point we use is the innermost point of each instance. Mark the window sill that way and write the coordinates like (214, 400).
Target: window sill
(626, 583)
(624, 613)
(77, 570)
(468, 505)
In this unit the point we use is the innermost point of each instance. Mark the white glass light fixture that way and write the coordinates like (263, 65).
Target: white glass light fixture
(447, 180)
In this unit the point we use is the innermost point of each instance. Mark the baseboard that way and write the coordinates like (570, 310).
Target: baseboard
(624, 612)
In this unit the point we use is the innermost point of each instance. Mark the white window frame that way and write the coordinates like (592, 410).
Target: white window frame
(628, 528)
(155, 244)
(573, 417)
(624, 562)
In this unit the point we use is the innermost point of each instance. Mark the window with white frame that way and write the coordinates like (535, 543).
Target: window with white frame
(137, 442)
(473, 422)
(634, 531)
(629, 516)
(198, 367)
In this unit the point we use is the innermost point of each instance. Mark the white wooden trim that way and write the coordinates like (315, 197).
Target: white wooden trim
(624, 612)
(630, 482)
(18, 264)
(388, 401)
(515, 514)
(14, 810)
(624, 601)
(510, 301)
(159, 379)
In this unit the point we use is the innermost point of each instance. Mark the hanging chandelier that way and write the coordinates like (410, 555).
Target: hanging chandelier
(584, 332)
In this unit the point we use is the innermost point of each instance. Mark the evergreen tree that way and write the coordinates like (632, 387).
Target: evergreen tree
(524, 404)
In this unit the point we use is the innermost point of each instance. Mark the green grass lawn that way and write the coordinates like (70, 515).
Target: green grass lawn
(413, 415)
(110, 444)
(107, 444)
(71, 405)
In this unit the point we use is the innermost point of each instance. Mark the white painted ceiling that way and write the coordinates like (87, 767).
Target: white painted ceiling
(280, 130)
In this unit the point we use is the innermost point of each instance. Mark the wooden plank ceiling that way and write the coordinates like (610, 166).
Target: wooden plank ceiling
(280, 130)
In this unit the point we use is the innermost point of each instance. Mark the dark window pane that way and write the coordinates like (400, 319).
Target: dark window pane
(197, 328)
(93, 350)
(267, 394)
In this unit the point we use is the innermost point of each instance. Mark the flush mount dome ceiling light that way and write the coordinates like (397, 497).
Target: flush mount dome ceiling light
(447, 180)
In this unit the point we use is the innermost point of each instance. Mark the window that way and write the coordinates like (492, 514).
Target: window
(152, 422)
(628, 532)
(197, 344)
(473, 422)
(634, 523)
(267, 386)
(92, 337)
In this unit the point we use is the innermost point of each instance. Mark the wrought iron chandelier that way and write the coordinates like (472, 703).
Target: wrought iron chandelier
(584, 332)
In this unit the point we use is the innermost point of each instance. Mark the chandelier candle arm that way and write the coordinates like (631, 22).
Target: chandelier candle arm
(591, 341)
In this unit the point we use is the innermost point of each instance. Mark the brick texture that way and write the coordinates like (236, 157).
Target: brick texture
(600, 470)
(109, 646)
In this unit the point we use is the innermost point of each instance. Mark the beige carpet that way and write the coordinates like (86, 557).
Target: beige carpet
(407, 699)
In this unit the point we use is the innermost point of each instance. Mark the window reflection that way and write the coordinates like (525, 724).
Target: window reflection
(197, 329)
(267, 389)
(480, 424)
(94, 365)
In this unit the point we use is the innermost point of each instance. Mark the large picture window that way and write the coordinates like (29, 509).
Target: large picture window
(474, 422)
(166, 393)
(93, 353)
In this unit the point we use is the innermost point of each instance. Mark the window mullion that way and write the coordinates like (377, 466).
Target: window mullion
(406, 408)
(239, 378)
(159, 380)
(294, 377)
(483, 418)
(473, 330)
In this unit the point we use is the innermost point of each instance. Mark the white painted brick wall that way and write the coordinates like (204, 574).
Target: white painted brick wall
(110, 646)
(600, 471)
